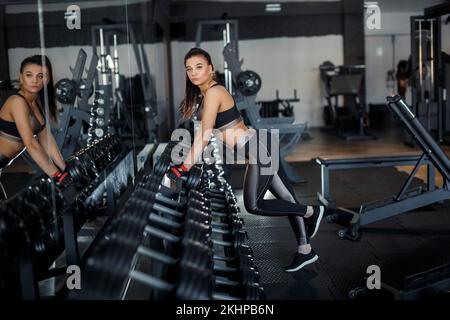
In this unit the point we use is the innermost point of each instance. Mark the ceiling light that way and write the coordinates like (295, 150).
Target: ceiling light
(273, 7)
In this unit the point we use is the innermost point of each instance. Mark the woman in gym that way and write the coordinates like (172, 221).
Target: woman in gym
(24, 121)
(217, 110)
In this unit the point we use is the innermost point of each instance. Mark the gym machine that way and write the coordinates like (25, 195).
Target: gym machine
(424, 66)
(229, 35)
(75, 117)
(244, 85)
(407, 199)
(111, 86)
(343, 83)
(277, 107)
(429, 77)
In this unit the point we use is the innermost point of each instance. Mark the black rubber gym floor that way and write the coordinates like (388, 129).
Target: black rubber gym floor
(400, 246)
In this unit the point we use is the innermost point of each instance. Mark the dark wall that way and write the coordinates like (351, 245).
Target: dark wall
(354, 41)
(4, 64)
(22, 28)
(354, 48)
(296, 19)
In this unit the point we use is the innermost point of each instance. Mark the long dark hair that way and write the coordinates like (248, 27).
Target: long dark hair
(192, 92)
(37, 59)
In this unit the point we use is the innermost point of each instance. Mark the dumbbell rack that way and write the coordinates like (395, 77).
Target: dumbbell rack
(110, 170)
(167, 244)
(42, 220)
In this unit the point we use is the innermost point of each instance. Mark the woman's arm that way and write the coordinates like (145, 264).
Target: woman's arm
(48, 142)
(20, 114)
(211, 105)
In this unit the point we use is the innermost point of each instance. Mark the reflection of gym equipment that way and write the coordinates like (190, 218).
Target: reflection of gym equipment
(343, 83)
(112, 88)
(248, 84)
(68, 137)
(407, 199)
(429, 78)
(44, 221)
(273, 108)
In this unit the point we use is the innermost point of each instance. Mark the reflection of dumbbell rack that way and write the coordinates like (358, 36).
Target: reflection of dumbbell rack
(164, 244)
(100, 114)
(42, 221)
(99, 122)
(122, 118)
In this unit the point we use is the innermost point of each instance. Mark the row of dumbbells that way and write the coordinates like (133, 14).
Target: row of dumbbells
(110, 262)
(163, 163)
(209, 216)
(241, 258)
(190, 231)
(31, 227)
(31, 221)
(99, 117)
(87, 164)
(188, 255)
(109, 265)
(220, 204)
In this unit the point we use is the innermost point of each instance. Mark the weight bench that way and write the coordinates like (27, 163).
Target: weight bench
(407, 199)
(327, 164)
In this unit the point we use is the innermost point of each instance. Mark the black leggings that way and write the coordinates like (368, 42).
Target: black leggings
(257, 183)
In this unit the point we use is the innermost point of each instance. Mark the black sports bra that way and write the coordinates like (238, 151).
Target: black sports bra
(226, 117)
(8, 129)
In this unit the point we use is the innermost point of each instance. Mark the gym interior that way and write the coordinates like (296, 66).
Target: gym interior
(355, 90)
